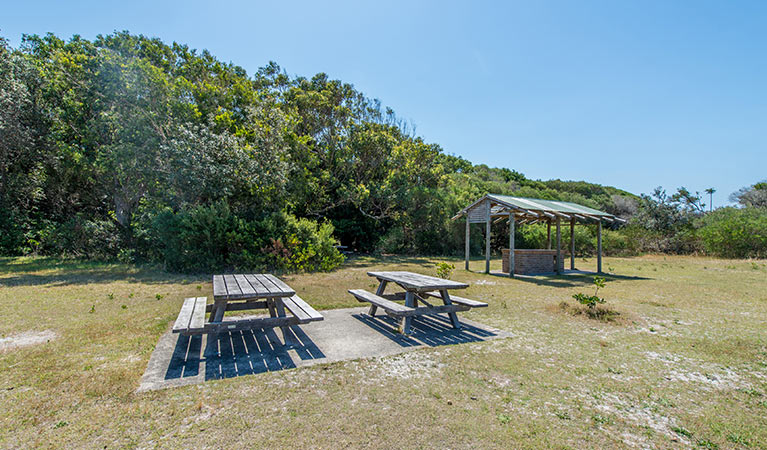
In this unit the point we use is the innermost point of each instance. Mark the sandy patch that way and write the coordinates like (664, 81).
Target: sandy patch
(707, 375)
(410, 365)
(26, 339)
(640, 416)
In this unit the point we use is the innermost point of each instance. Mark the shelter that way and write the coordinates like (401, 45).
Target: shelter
(493, 208)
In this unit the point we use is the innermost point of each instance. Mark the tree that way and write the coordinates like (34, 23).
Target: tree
(710, 191)
(754, 196)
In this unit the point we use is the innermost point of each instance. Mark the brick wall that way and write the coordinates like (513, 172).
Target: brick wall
(532, 261)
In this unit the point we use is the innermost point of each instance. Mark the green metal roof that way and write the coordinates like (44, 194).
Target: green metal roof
(537, 204)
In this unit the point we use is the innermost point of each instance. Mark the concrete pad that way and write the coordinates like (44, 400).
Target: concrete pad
(344, 334)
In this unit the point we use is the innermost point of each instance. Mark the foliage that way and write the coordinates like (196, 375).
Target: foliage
(591, 300)
(735, 233)
(128, 148)
(752, 196)
(208, 238)
(445, 270)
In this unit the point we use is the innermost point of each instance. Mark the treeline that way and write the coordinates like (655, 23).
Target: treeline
(127, 148)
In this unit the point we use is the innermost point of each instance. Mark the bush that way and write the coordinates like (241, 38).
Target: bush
(445, 270)
(304, 246)
(212, 238)
(81, 238)
(202, 238)
(735, 233)
(12, 235)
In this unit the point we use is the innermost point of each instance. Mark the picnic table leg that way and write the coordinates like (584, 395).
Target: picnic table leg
(270, 305)
(287, 334)
(405, 324)
(379, 292)
(217, 312)
(453, 316)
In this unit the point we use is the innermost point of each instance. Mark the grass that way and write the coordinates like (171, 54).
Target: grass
(684, 367)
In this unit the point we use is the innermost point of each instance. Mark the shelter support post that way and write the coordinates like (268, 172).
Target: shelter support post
(599, 247)
(468, 240)
(512, 227)
(548, 234)
(559, 245)
(572, 243)
(487, 239)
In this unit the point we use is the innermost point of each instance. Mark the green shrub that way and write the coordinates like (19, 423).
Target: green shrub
(213, 239)
(445, 270)
(735, 233)
(201, 238)
(12, 234)
(591, 300)
(304, 245)
(81, 238)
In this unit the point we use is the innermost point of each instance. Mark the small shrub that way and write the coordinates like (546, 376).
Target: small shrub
(591, 300)
(445, 270)
(682, 431)
(600, 419)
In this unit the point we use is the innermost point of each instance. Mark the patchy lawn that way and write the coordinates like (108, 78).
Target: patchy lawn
(684, 366)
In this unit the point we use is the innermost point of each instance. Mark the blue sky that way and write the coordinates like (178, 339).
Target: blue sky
(634, 94)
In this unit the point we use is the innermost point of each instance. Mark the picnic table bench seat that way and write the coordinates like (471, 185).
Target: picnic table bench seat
(191, 319)
(391, 308)
(398, 310)
(303, 312)
(460, 300)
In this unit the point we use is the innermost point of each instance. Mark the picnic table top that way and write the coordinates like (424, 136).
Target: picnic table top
(252, 285)
(418, 282)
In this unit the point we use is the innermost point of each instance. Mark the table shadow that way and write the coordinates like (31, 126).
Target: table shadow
(238, 353)
(431, 330)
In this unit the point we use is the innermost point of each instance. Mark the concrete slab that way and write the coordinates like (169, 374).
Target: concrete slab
(344, 334)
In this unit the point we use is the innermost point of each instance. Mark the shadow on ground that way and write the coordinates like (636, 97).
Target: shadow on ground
(344, 334)
(238, 353)
(431, 331)
(63, 272)
(568, 280)
(361, 260)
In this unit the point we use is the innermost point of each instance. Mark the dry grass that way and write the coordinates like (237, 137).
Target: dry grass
(686, 366)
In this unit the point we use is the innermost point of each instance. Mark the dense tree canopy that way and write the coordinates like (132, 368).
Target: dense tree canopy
(128, 147)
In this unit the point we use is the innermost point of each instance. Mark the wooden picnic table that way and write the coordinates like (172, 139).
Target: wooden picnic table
(239, 292)
(417, 287)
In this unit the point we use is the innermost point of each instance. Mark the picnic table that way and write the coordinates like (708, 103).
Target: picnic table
(239, 292)
(416, 288)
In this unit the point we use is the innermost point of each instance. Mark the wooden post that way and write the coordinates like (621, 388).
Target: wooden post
(487, 239)
(559, 246)
(511, 244)
(572, 243)
(548, 234)
(468, 240)
(599, 247)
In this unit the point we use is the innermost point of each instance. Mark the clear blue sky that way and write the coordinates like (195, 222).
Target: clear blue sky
(633, 94)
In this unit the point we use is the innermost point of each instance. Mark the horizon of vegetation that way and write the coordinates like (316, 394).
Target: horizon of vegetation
(128, 148)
